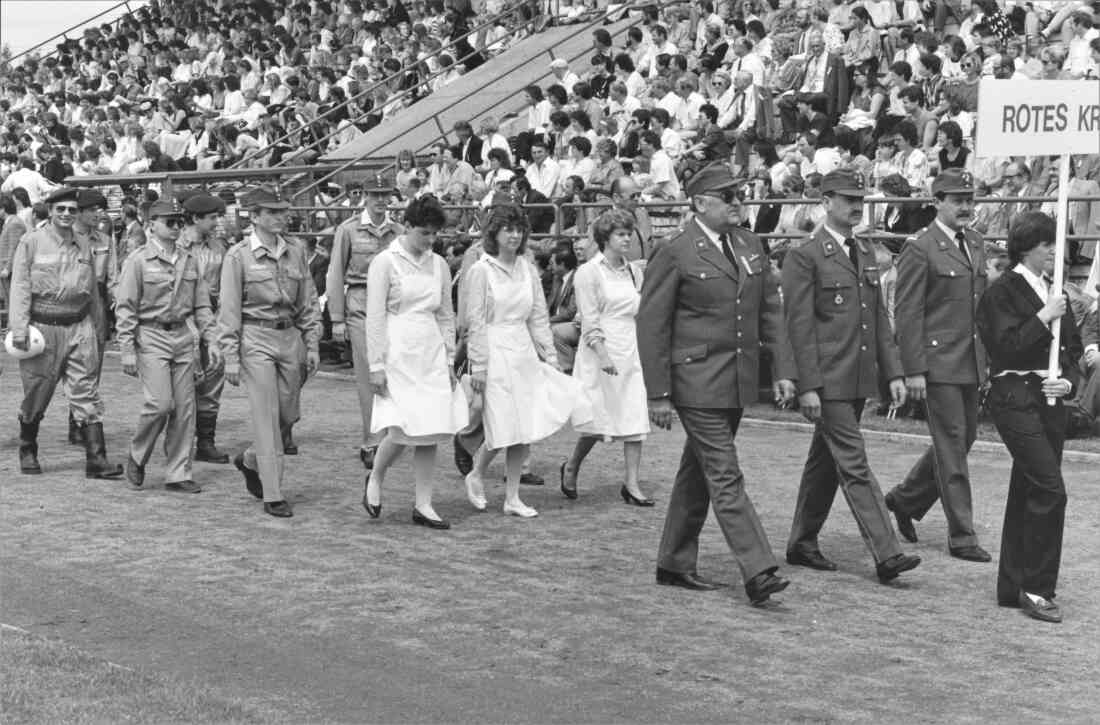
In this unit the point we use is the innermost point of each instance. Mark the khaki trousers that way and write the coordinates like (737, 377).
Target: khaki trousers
(356, 320)
(271, 370)
(166, 367)
(71, 355)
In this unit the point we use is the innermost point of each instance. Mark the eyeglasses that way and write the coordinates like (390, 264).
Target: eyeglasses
(729, 196)
(65, 209)
(173, 223)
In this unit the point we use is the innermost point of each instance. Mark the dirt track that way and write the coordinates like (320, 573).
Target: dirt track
(332, 617)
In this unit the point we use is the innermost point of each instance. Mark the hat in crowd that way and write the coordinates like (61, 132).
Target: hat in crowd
(89, 198)
(183, 196)
(503, 175)
(65, 193)
(379, 183)
(896, 185)
(844, 181)
(203, 203)
(264, 197)
(711, 178)
(953, 181)
(559, 63)
(165, 207)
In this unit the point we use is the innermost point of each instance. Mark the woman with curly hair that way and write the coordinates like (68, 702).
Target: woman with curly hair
(513, 364)
(411, 346)
(607, 362)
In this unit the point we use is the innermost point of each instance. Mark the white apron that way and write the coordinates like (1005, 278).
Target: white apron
(526, 399)
(421, 408)
(619, 405)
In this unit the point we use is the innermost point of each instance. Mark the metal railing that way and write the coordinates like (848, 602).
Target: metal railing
(65, 33)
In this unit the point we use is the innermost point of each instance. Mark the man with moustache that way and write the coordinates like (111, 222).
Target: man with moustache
(941, 277)
(838, 327)
(708, 306)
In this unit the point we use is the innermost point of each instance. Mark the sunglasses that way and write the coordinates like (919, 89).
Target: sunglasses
(729, 196)
(66, 209)
(173, 223)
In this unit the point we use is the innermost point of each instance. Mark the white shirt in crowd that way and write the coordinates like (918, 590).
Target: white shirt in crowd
(544, 177)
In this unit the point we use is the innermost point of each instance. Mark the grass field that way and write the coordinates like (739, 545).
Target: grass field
(223, 614)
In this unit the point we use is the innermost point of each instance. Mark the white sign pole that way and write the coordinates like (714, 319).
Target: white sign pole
(1059, 264)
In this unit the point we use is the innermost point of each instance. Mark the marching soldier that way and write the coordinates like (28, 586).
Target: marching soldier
(356, 243)
(837, 322)
(162, 302)
(941, 278)
(92, 209)
(202, 212)
(54, 286)
(268, 312)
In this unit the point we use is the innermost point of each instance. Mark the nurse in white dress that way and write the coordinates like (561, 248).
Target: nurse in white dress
(513, 365)
(607, 362)
(411, 347)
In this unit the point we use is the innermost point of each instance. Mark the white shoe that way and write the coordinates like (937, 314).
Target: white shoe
(520, 509)
(475, 492)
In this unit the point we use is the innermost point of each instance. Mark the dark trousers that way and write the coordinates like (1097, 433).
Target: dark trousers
(788, 115)
(942, 471)
(709, 473)
(838, 458)
(1034, 433)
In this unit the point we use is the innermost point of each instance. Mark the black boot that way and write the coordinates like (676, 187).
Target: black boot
(74, 432)
(28, 448)
(205, 450)
(96, 464)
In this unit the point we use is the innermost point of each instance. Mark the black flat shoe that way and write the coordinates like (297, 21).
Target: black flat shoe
(280, 509)
(251, 478)
(629, 498)
(810, 559)
(762, 586)
(685, 580)
(372, 510)
(422, 520)
(569, 493)
(971, 553)
(889, 569)
(905, 522)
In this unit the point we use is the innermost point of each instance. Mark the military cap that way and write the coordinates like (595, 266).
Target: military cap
(847, 182)
(65, 193)
(89, 198)
(715, 177)
(380, 183)
(165, 207)
(953, 181)
(264, 197)
(203, 203)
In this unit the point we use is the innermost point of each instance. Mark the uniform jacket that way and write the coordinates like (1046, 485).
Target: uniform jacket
(936, 305)
(703, 321)
(1015, 336)
(837, 320)
(152, 289)
(270, 286)
(353, 247)
(208, 254)
(51, 276)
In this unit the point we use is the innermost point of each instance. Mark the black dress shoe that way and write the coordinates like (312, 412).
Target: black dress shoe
(1041, 608)
(366, 455)
(422, 520)
(135, 474)
(464, 462)
(763, 585)
(888, 570)
(290, 449)
(687, 580)
(569, 493)
(531, 479)
(183, 487)
(251, 478)
(374, 511)
(280, 509)
(811, 559)
(630, 498)
(905, 523)
(970, 553)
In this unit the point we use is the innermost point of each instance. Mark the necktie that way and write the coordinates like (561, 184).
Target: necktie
(961, 239)
(727, 250)
(853, 252)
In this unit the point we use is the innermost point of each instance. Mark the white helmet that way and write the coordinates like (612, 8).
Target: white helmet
(35, 344)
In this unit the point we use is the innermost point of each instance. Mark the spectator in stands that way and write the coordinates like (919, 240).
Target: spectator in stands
(543, 172)
(535, 204)
(661, 181)
(562, 307)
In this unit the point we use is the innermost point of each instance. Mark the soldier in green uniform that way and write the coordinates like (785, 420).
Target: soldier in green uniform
(54, 287)
(356, 243)
(162, 303)
(268, 312)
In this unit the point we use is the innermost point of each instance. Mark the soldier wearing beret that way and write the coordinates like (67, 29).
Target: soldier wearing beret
(53, 286)
(708, 305)
(268, 323)
(163, 301)
(202, 212)
(941, 277)
(837, 322)
(356, 243)
(89, 219)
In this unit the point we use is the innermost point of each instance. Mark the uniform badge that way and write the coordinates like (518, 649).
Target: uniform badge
(839, 299)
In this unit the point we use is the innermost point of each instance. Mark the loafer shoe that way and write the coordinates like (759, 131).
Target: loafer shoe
(905, 523)
(810, 559)
(251, 478)
(763, 585)
(970, 553)
(280, 509)
(685, 580)
(1041, 608)
(890, 569)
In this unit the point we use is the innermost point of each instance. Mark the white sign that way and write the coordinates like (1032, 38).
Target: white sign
(1038, 118)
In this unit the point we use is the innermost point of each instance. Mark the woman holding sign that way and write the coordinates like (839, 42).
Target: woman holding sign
(1015, 317)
